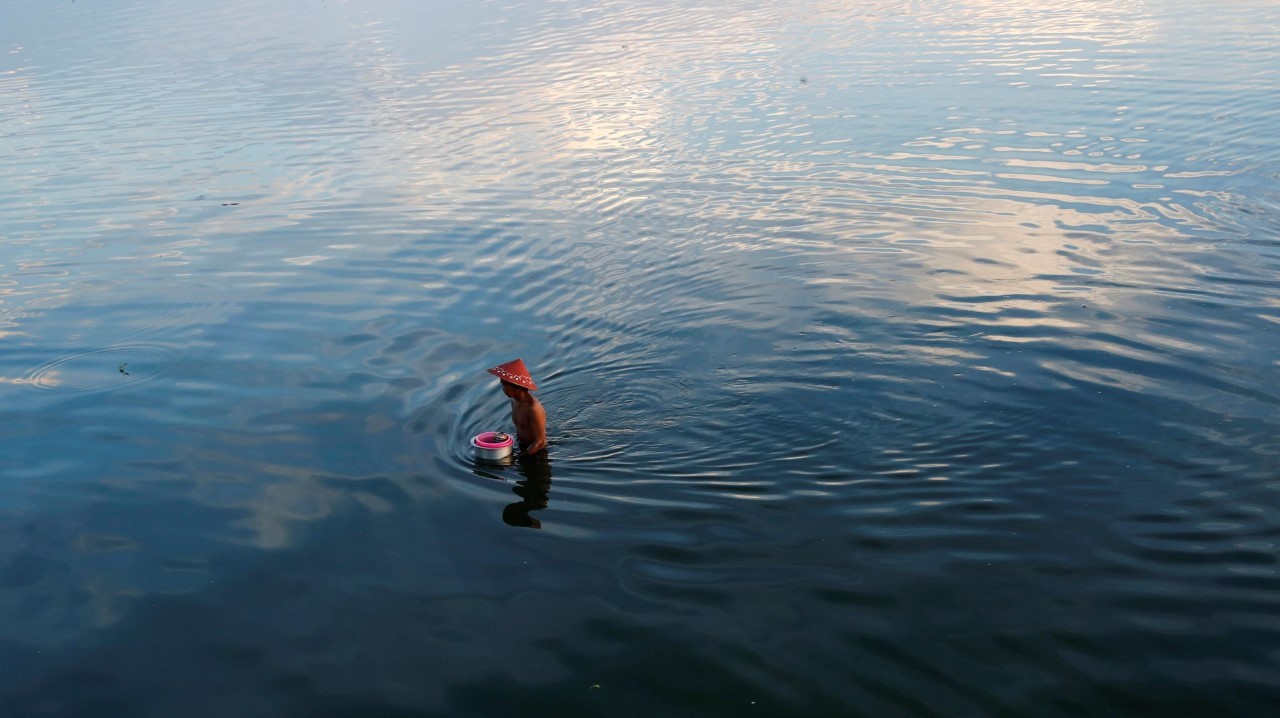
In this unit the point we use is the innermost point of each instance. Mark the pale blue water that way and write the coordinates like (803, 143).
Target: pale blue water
(910, 360)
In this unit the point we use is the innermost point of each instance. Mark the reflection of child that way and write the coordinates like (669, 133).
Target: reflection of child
(527, 412)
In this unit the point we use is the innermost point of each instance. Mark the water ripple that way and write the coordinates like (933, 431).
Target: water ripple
(100, 369)
(948, 329)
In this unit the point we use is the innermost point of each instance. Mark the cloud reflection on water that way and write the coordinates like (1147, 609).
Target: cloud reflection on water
(852, 196)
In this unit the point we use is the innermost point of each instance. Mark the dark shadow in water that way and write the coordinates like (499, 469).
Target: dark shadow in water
(532, 490)
(532, 487)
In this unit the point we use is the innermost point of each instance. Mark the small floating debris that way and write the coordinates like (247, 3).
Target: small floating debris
(230, 204)
(122, 366)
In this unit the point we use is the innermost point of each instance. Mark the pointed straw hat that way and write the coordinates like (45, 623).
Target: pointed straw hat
(515, 372)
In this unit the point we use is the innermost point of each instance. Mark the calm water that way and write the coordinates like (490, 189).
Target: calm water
(900, 359)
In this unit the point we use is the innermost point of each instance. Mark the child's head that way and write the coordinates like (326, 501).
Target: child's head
(513, 390)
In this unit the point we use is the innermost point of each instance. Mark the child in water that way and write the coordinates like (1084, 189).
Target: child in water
(527, 412)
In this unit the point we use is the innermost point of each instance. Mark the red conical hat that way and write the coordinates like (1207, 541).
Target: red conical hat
(515, 372)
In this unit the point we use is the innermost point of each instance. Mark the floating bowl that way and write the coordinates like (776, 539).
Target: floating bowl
(492, 446)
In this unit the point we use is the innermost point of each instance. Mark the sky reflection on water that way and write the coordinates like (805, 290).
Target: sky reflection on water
(899, 360)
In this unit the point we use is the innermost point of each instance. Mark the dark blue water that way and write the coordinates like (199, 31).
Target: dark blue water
(900, 360)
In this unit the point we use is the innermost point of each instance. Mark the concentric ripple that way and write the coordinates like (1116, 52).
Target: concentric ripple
(899, 359)
(102, 369)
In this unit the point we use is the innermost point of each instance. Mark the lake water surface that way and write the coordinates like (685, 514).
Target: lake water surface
(900, 359)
